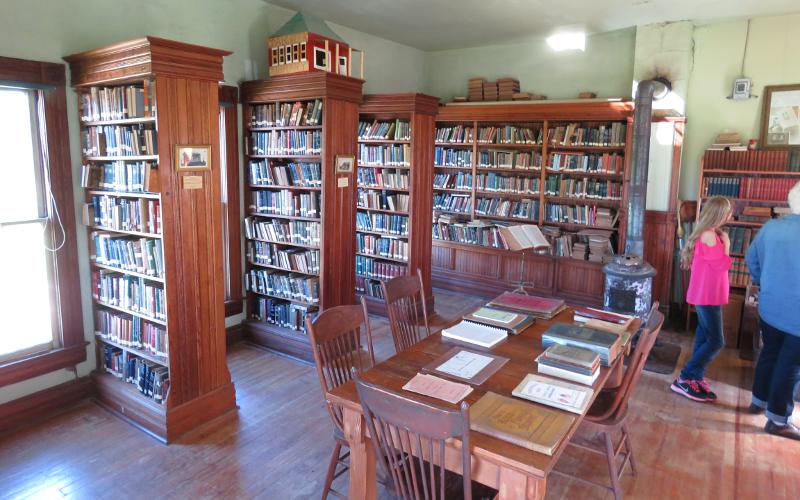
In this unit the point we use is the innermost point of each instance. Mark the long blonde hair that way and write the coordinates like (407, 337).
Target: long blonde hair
(714, 213)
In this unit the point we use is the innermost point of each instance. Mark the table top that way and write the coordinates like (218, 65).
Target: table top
(521, 350)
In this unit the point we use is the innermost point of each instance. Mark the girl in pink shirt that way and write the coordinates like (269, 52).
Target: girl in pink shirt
(707, 254)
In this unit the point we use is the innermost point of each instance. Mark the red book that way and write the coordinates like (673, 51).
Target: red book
(542, 307)
(591, 313)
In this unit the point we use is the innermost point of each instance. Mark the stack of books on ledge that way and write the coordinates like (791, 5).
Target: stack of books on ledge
(571, 363)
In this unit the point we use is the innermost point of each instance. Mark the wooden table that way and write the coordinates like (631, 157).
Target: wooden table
(514, 471)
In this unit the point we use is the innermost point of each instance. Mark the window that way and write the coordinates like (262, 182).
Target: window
(229, 189)
(41, 324)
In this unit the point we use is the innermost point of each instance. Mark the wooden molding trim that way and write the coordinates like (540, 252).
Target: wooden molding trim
(143, 57)
(300, 86)
(395, 104)
(234, 306)
(41, 363)
(44, 404)
(35, 72)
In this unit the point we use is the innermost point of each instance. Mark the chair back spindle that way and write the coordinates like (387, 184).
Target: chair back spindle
(408, 314)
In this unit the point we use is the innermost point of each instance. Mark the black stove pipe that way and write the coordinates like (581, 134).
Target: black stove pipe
(646, 92)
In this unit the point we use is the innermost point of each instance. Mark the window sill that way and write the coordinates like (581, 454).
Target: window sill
(41, 363)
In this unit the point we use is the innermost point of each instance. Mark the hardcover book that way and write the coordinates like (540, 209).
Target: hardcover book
(555, 393)
(510, 321)
(605, 344)
(541, 307)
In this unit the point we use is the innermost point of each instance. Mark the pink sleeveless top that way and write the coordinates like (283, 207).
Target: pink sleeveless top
(708, 283)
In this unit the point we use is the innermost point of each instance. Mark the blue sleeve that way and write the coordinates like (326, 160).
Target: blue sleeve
(755, 254)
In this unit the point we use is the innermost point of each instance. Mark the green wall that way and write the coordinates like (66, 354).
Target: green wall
(46, 30)
(606, 67)
(772, 58)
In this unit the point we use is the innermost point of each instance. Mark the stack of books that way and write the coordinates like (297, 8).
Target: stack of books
(579, 250)
(511, 322)
(571, 363)
(475, 89)
(600, 247)
(728, 141)
(506, 88)
(607, 345)
(539, 307)
(490, 92)
(755, 214)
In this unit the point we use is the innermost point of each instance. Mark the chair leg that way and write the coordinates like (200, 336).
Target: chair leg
(627, 436)
(612, 465)
(331, 470)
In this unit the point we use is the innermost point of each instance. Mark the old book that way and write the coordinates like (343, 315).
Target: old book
(511, 321)
(555, 393)
(606, 326)
(524, 237)
(523, 424)
(556, 370)
(584, 314)
(578, 356)
(605, 344)
(438, 388)
(541, 307)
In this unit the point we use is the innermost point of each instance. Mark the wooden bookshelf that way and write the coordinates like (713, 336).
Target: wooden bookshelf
(178, 87)
(486, 270)
(411, 178)
(334, 219)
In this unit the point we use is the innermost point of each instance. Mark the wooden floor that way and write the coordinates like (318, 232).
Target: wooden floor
(278, 445)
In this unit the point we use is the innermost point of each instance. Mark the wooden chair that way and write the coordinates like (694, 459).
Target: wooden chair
(608, 414)
(405, 299)
(335, 336)
(402, 429)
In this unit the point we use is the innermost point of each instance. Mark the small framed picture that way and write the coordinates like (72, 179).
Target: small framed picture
(188, 158)
(345, 164)
(780, 118)
(320, 58)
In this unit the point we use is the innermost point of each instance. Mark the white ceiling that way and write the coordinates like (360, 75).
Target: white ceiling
(448, 24)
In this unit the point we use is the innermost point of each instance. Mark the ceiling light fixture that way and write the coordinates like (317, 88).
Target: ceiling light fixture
(567, 41)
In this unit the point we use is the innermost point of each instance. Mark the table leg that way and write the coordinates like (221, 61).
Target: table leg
(516, 485)
(362, 457)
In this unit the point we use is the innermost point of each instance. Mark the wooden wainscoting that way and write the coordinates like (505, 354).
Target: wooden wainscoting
(659, 250)
(42, 405)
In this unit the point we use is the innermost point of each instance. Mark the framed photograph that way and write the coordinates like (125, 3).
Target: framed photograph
(189, 158)
(345, 164)
(780, 118)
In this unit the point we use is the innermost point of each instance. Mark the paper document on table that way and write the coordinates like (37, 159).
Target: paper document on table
(465, 364)
(554, 392)
(438, 388)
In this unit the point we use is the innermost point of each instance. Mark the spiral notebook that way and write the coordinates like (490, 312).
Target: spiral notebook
(475, 333)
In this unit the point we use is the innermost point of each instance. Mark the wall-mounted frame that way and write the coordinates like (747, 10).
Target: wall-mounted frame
(192, 158)
(345, 164)
(780, 117)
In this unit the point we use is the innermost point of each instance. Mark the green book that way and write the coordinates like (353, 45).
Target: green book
(505, 317)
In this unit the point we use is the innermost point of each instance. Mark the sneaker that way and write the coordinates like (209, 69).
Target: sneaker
(755, 409)
(707, 388)
(789, 430)
(691, 389)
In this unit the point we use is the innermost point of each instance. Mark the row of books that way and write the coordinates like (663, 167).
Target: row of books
(115, 103)
(761, 215)
(130, 176)
(516, 209)
(517, 160)
(587, 187)
(151, 379)
(283, 231)
(740, 238)
(449, 157)
(283, 285)
(368, 267)
(119, 140)
(125, 214)
(561, 242)
(509, 134)
(286, 114)
(382, 247)
(130, 293)
(396, 155)
(369, 287)
(383, 200)
(382, 223)
(290, 259)
(754, 188)
(761, 161)
(739, 275)
(459, 180)
(397, 130)
(507, 184)
(281, 313)
(138, 255)
(265, 173)
(382, 178)
(612, 163)
(286, 143)
(576, 134)
(587, 215)
(473, 233)
(458, 134)
(286, 202)
(459, 203)
(131, 331)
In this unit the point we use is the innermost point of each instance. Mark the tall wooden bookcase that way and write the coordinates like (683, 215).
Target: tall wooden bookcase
(487, 270)
(400, 166)
(275, 320)
(180, 99)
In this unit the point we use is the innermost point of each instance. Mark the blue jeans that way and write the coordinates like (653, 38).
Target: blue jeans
(777, 373)
(708, 342)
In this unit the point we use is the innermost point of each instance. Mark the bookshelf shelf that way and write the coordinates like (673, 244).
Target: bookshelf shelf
(485, 268)
(752, 200)
(191, 386)
(377, 188)
(759, 173)
(411, 116)
(324, 110)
